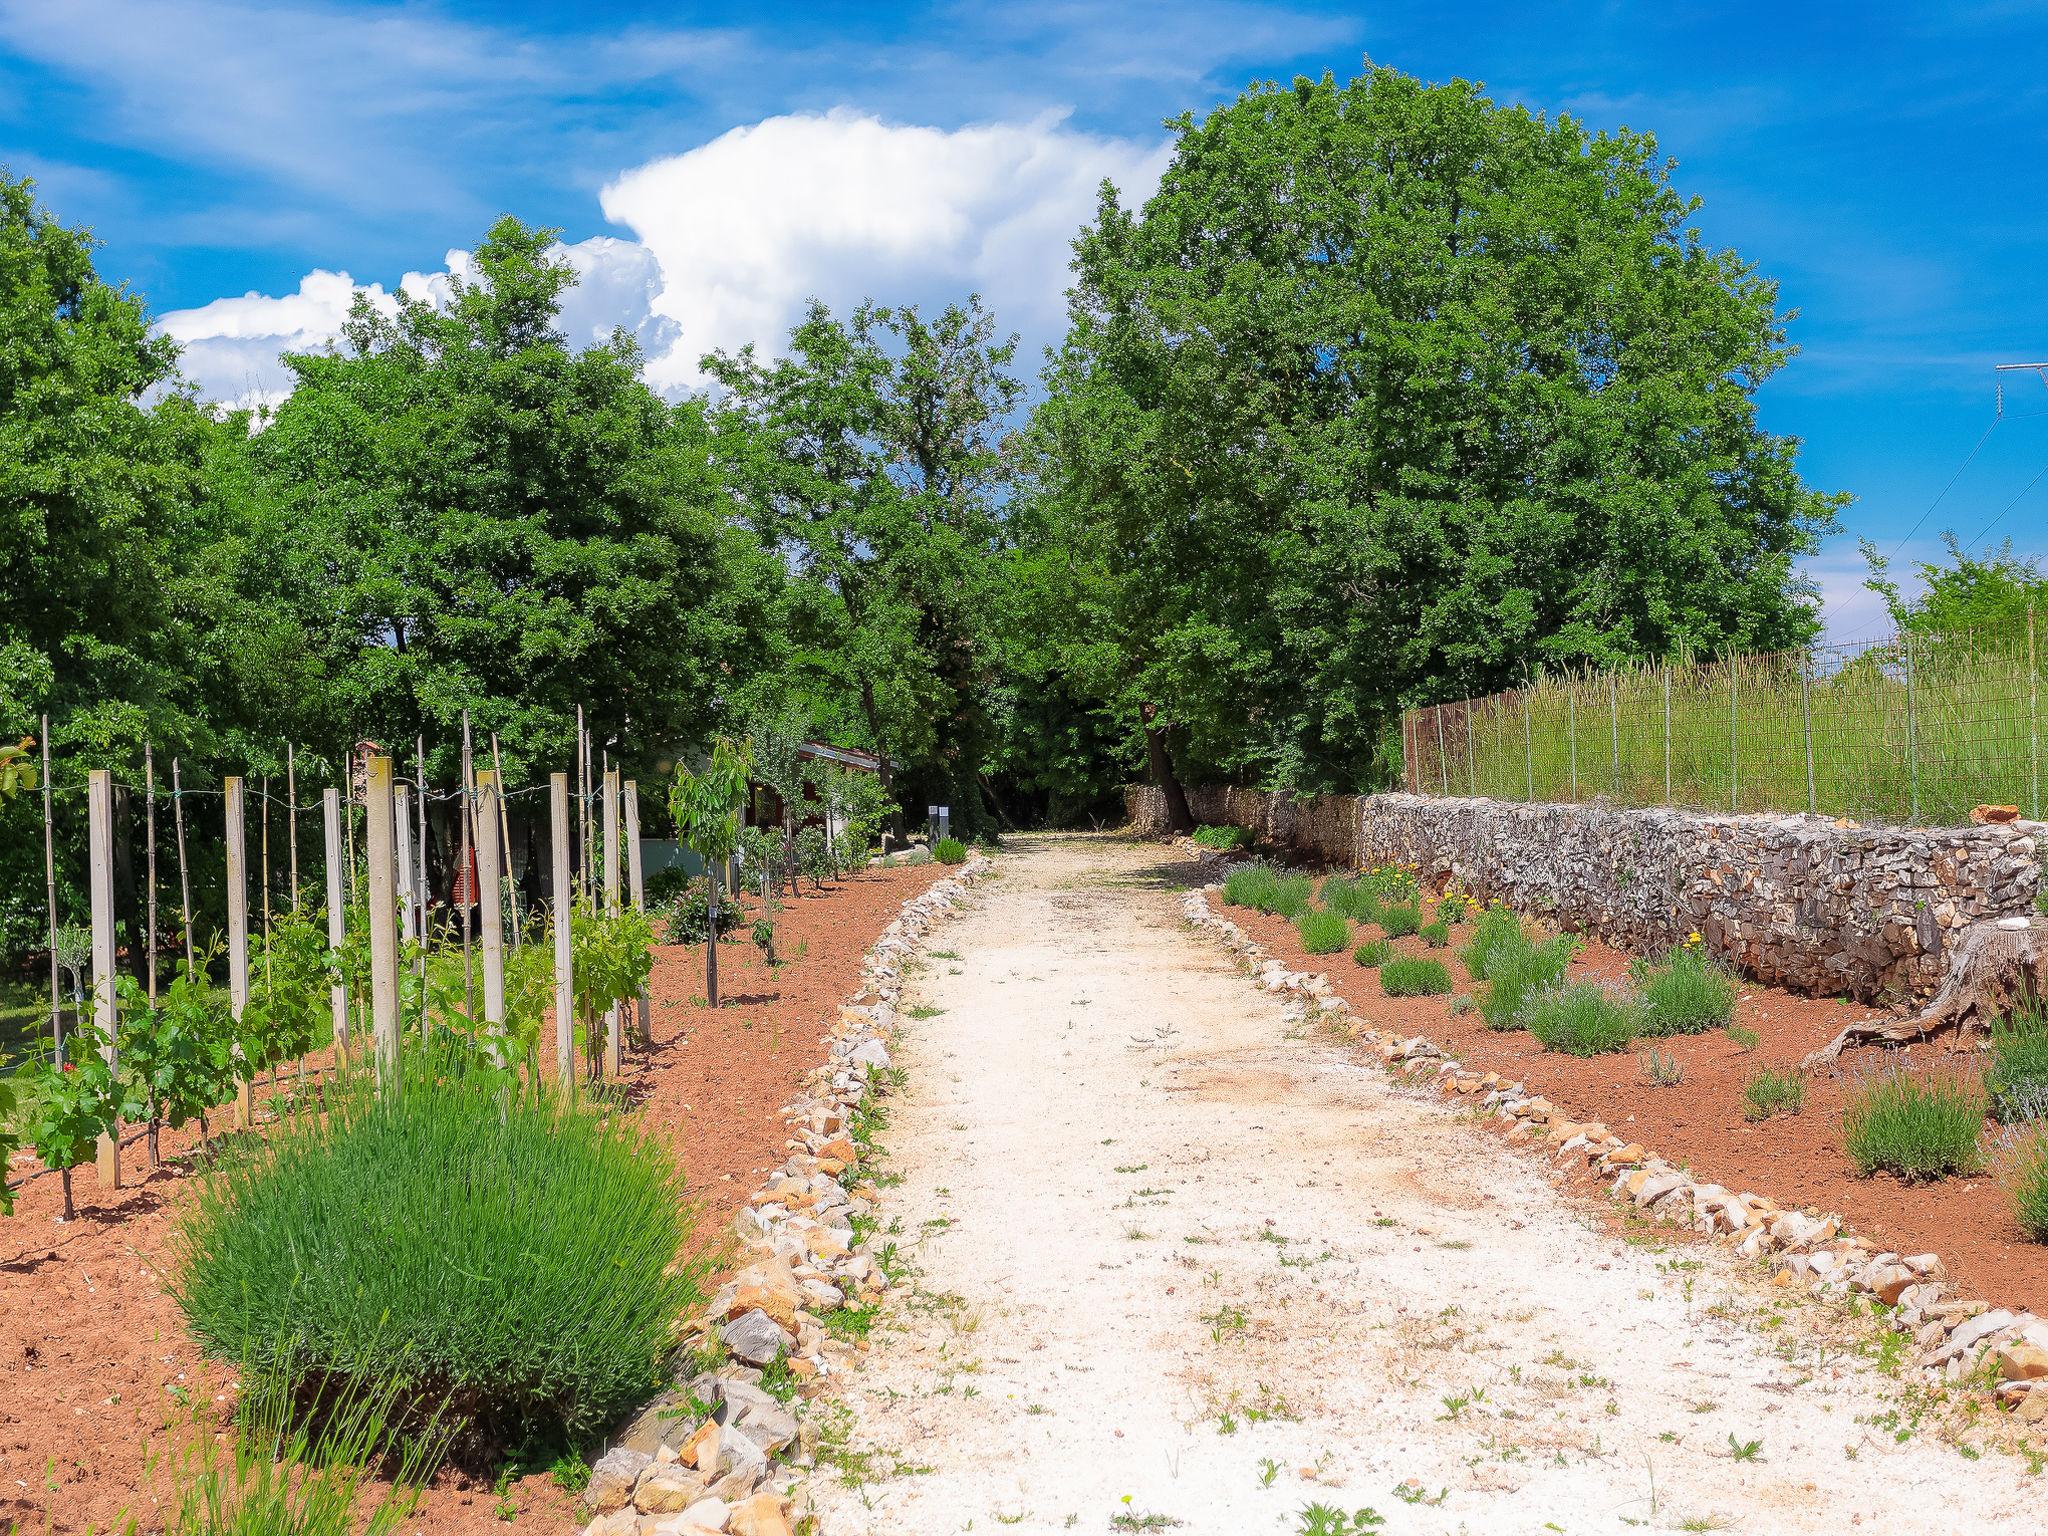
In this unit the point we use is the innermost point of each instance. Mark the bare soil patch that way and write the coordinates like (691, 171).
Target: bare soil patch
(91, 1342)
(1796, 1159)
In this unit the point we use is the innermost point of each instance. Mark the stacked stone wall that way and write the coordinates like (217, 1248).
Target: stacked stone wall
(1794, 901)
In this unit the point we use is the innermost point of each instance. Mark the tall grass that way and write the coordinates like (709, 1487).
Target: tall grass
(1894, 737)
(2024, 1171)
(2017, 1079)
(1398, 919)
(1264, 889)
(1494, 928)
(1406, 976)
(1516, 972)
(1351, 896)
(514, 1255)
(1918, 1127)
(1582, 1018)
(1687, 995)
(1373, 952)
(1322, 933)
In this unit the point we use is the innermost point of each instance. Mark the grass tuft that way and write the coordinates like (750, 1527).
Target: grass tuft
(1398, 919)
(1493, 929)
(1373, 952)
(1918, 1127)
(1224, 839)
(1322, 933)
(1353, 897)
(950, 850)
(1582, 1019)
(1770, 1091)
(1436, 935)
(1687, 995)
(2017, 1079)
(1516, 971)
(1408, 976)
(2024, 1169)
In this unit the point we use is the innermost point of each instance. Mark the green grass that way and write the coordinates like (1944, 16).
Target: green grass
(1582, 1019)
(24, 1021)
(1436, 935)
(2025, 1174)
(950, 850)
(1918, 1127)
(1373, 952)
(1515, 972)
(1265, 889)
(1407, 976)
(2017, 1079)
(1738, 730)
(1769, 1091)
(1494, 928)
(1400, 918)
(1687, 995)
(1351, 896)
(516, 1256)
(1225, 839)
(1322, 933)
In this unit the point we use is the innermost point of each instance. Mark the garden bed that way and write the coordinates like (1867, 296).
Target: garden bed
(1796, 1159)
(93, 1342)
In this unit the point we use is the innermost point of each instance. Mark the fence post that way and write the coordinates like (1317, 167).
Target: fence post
(613, 1060)
(238, 929)
(1528, 748)
(1667, 732)
(1571, 733)
(1443, 756)
(380, 834)
(565, 991)
(291, 801)
(492, 920)
(1806, 726)
(149, 803)
(1912, 728)
(409, 924)
(505, 828)
(1471, 767)
(2033, 716)
(50, 891)
(636, 887)
(1734, 746)
(337, 916)
(105, 1017)
(1614, 730)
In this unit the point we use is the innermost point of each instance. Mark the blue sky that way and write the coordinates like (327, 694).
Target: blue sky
(711, 166)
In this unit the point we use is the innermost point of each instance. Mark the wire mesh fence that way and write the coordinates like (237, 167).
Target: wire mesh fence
(1913, 729)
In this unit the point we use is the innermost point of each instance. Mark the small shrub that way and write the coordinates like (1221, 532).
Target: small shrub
(1687, 995)
(1392, 882)
(512, 1254)
(1224, 839)
(1249, 885)
(1406, 976)
(1322, 933)
(1400, 919)
(1373, 952)
(2024, 1169)
(1289, 896)
(950, 850)
(1494, 928)
(1661, 1068)
(1582, 1019)
(2017, 1079)
(1436, 935)
(1745, 1039)
(1913, 1126)
(1768, 1091)
(1516, 972)
(1463, 1003)
(1352, 897)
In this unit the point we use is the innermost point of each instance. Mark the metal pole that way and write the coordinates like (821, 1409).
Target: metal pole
(100, 793)
(1471, 769)
(50, 891)
(337, 916)
(1614, 731)
(493, 920)
(419, 876)
(2033, 716)
(1443, 758)
(1912, 727)
(238, 932)
(1667, 734)
(291, 814)
(401, 825)
(1734, 753)
(505, 828)
(149, 804)
(638, 887)
(1528, 748)
(184, 874)
(613, 1059)
(1571, 733)
(1806, 726)
(565, 991)
(380, 854)
(582, 803)
(468, 879)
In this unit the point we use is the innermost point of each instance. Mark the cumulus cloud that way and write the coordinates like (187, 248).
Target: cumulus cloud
(842, 206)
(232, 346)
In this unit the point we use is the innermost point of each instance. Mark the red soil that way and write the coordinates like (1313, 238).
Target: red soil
(91, 1342)
(1795, 1159)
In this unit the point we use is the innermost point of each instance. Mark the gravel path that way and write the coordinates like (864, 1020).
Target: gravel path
(1178, 1267)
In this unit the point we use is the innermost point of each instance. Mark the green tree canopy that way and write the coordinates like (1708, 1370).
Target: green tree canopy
(1391, 394)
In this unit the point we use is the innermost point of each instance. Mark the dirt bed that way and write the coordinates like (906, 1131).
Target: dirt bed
(1796, 1159)
(91, 1342)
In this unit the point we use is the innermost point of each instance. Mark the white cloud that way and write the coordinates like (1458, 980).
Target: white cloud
(231, 347)
(737, 235)
(843, 206)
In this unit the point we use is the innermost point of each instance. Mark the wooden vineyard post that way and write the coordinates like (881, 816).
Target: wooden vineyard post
(100, 793)
(409, 925)
(380, 856)
(613, 1057)
(505, 828)
(1571, 731)
(565, 990)
(487, 898)
(291, 814)
(337, 916)
(1667, 735)
(636, 887)
(238, 933)
(184, 874)
(50, 891)
(149, 802)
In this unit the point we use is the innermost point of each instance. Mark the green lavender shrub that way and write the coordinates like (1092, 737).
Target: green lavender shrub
(1918, 1127)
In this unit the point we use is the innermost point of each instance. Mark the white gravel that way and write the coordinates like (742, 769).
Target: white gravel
(1178, 1266)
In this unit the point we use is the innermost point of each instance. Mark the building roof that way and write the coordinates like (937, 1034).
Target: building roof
(849, 757)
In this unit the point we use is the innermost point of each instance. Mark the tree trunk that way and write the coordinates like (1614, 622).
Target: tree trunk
(886, 770)
(1992, 971)
(1178, 816)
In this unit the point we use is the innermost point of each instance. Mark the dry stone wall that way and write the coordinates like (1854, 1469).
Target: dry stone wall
(1794, 901)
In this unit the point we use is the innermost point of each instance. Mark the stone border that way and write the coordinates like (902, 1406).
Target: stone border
(1954, 1336)
(723, 1452)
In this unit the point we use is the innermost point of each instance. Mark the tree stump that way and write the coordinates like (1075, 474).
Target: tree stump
(1993, 969)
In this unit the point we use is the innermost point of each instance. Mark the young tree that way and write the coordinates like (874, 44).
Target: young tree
(874, 457)
(1390, 394)
(707, 806)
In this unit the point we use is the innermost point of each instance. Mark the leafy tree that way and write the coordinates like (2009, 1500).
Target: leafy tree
(1390, 394)
(707, 804)
(1965, 593)
(874, 457)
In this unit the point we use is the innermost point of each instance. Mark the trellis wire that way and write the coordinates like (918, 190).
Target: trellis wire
(1912, 729)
